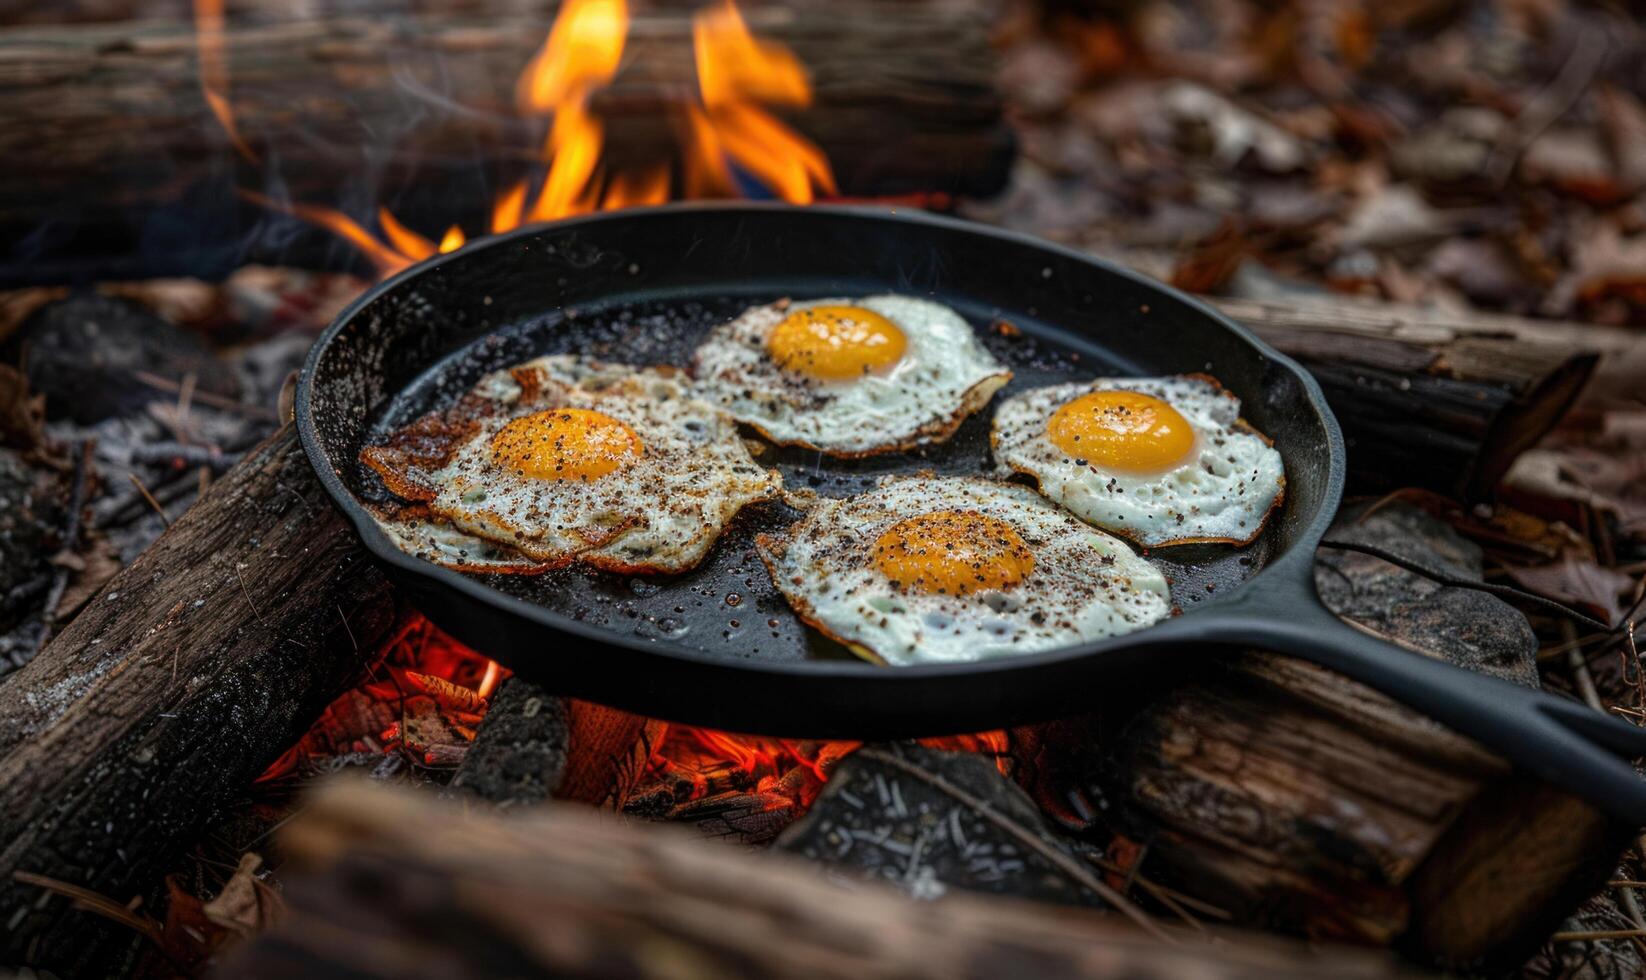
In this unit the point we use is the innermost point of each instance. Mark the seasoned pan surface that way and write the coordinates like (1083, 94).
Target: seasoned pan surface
(728, 607)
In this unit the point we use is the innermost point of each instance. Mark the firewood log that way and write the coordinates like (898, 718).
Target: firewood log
(105, 125)
(177, 686)
(1442, 401)
(561, 892)
(1300, 800)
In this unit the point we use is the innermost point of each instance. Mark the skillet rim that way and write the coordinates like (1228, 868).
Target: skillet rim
(1199, 624)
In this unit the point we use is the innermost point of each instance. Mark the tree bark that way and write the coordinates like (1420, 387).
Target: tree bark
(564, 893)
(1300, 800)
(176, 687)
(1446, 402)
(105, 126)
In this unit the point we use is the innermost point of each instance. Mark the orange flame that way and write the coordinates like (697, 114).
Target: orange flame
(733, 66)
(214, 70)
(581, 53)
(735, 71)
(726, 127)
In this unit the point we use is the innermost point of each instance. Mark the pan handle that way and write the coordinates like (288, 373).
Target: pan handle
(1558, 740)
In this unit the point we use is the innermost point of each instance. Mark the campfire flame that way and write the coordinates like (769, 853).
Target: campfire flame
(729, 137)
(214, 70)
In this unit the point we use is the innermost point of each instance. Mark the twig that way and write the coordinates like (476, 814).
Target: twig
(166, 521)
(1491, 588)
(71, 536)
(1551, 102)
(1029, 839)
(172, 453)
(205, 397)
(1579, 937)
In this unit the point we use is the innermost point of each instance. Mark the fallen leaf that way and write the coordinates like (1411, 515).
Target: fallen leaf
(1395, 215)
(1231, 132)
(246, 905)
(1210, 264)
(22, 413)
(97, 562)
(1580, 582)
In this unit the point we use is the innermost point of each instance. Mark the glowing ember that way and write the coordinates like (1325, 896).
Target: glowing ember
(429, 694)
(422, 700)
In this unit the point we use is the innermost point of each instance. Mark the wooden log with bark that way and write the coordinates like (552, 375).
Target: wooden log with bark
(105, 125)
(1443, 401)
(1300, 800)
(561, 892)
(176, 687)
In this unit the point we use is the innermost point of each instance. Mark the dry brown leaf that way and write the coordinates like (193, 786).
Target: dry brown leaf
(1604, 264)
(22, 414)
(1579, 582)
(245, 905)
(1210, 264)
(94, 565)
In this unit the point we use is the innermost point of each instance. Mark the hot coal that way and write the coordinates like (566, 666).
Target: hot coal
(519, 754)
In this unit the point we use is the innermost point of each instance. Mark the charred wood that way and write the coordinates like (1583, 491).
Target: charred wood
(519, 754)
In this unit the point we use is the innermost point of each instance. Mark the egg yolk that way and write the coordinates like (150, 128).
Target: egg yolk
(566, 444)
(1122, 430)
(953, 552)
(836, 343)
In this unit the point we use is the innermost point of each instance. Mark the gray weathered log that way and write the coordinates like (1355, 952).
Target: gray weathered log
(561, 892)
(176, 687)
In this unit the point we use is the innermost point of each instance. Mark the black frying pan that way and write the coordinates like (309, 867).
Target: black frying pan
(718, 646)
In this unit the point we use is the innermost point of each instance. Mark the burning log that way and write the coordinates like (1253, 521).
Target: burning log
(1448, 399)
(159, 704)
(903, 102)
(561, 893)
(1297, 799)
(519, 755)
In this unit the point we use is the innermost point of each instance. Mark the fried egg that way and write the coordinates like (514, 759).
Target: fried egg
(1157, 460)
(422, 535)
(563, 459)
(849, 377)
(930, 569)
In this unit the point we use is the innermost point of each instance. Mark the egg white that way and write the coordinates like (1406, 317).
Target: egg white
(944, 376)
(1223, 491)
(1085, 585)
(660, 513)
(430, 538)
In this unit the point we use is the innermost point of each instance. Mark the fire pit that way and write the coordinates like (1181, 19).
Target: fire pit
(229, 743)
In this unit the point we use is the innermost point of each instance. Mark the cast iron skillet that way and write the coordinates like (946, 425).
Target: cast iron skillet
(718, 646)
